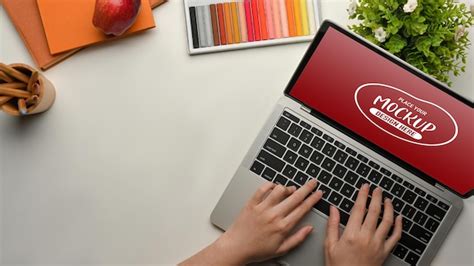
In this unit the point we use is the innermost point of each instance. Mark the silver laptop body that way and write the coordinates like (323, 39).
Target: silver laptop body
(311, 252)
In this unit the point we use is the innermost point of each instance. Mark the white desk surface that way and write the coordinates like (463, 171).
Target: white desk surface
(140, 144)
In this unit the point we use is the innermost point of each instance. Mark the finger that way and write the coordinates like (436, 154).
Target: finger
(332, 231)
(396, 235)
(262, 192)
(290, 203)
(387, 220)
(370, 223)
(358, 211)
(294, 240)
(278, 194)
(300, 211)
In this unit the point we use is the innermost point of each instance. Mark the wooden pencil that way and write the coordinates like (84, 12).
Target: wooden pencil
(14, 93)
(5, 99)
(33, 80)
(10, 109)
(32, 100)
(22, 106)
(14, 73)
(5, 77)
(13, 85)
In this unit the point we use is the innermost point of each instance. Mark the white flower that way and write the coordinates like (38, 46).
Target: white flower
(460, 32)
(410, 6)
(352, 7)
(380, 35)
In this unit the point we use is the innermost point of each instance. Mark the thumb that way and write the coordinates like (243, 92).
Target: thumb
(332, 231)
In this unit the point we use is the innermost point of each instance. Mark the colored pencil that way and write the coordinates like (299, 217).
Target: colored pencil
(256, 20)
(222, 29)
(14, 73)
(242, 21)
(194, 28)
(235, 22)
(201, 26)
(290, 10)
(269, 16)
(284, 18)
(5, 91)
(263, 19)
(276, 18)
(22, 106)
(311, 17)
(248, 15)
(304, 17)
(299, 26)
(228, 23)
(215, 24)
(208, 25)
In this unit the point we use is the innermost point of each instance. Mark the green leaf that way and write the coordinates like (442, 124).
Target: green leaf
(395, 44)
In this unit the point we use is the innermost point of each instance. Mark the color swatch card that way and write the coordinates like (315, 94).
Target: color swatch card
(219, 25)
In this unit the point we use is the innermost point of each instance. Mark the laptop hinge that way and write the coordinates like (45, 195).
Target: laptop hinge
(306, 109)
(438, 186)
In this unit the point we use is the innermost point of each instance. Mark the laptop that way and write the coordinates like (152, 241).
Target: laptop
(353, 114)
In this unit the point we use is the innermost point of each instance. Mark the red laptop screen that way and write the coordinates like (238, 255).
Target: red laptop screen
(390, 107)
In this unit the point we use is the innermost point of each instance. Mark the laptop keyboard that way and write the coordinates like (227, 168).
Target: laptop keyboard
(296, 151)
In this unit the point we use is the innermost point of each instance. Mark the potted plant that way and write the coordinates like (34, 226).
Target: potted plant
(431, 35)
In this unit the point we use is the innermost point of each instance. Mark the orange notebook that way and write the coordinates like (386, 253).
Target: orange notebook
(26, 18)
(68, 24)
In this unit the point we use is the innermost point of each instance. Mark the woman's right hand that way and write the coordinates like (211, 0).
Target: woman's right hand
(363, 242)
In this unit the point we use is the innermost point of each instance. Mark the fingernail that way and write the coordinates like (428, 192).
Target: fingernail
(319, 192)
(313, 181)
(366, 186)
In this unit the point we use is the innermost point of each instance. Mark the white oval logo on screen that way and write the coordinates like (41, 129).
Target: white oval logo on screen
(405, 116)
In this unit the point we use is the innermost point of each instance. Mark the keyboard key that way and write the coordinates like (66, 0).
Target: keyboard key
(322, 206)
(420, 192)
(257, 167)
(421, 203)
(326, 191)
(313, 170)
(305, 125)
(279, 136)
(294, 144)
(270, 160)
(292, 184)
(274, 147)
(268, 174)
(412, 243)
(420, 218)
(400, 251)
(443, 205)
(290, 157)
(363, 170)
(283, 123)
(339, 171)
(347, 205)
(408, 211)
(328, 164)
(374, 177)
(361, 181)
(305, 151)
(300, 178)
(316, 131)
(397, 204)
(431, 198)
(374, 165)
(279, 179)
(340, 156)
(406, 224)
(324, 177)
(398, 190)
(420, 233)
(412, 258)
(351, 151)
(385, 172)
(385, 194)
(291, 117)
(335, 183)
(408, 185)
(397, 178)
(344, 217)
(289, 171)
(295, 130)
(409, 196)
(329, 150)
(386, 184)
(347, 190)
(301, 163)
(339, 145)
(435, 212)
(351, 177)
(306, 136)
(431, 225)
(316, 157)
(362, 158)
(335, 198)
(317, 143)
(352, 163)
(328, 138)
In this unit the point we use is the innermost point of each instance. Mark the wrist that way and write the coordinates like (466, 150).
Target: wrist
(228, 253)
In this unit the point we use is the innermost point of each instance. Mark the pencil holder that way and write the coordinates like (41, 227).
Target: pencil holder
(24, 90)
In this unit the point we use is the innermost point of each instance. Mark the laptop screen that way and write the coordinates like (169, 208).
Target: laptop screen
(390, 107)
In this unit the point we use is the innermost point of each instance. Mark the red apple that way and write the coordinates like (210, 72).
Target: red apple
(115, 16)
